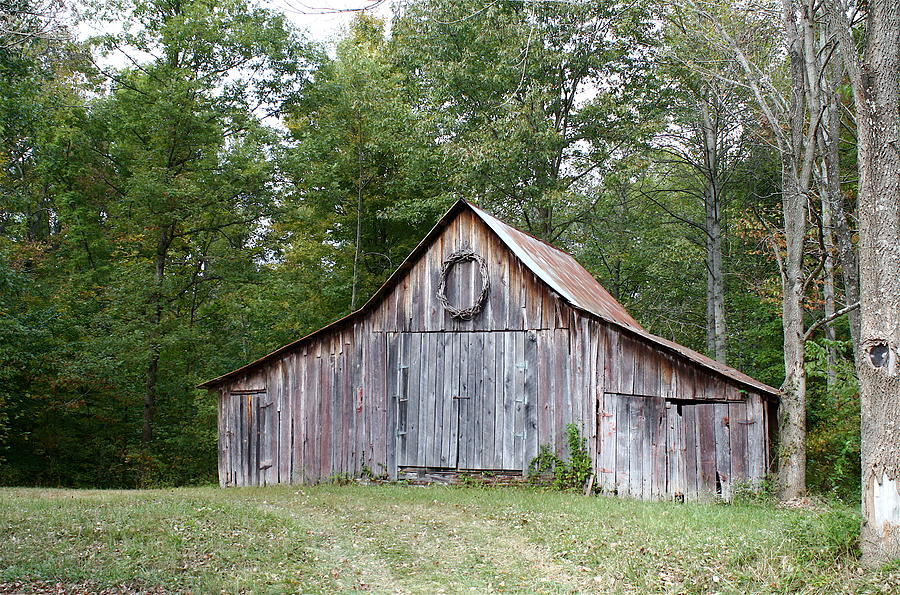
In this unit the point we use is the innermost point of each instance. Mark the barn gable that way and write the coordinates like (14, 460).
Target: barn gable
(403, 386)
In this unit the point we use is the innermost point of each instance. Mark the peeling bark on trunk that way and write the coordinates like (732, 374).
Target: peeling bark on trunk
(875, 78)
(878, 115)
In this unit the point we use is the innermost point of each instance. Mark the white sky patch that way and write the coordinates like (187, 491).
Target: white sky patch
(322, 20)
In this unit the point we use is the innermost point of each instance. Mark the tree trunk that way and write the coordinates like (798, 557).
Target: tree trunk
(357, 249)
(829, 136)
(796, 171)
(837, 204)
(715, 280)
(156, 306)
(878, 115)
(792, 412)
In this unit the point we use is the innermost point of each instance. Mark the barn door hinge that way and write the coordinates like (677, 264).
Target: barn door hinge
(402, 367)
(519, 435)
(522, 365)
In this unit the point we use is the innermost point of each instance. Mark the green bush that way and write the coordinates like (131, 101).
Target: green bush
(832, 444)
(571, 474)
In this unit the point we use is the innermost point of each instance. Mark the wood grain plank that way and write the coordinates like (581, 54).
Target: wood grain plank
(706, 433)
(659, 487)
(611, 361)
(637, 423)
(459, 419)
(532, 404)
(520, 400)
(691, 447)
(509, 399)
(623, 445)
(544, 373)
(723, 448)
(565, 382)
(418, 393)
(737, 415)
(674, 452)
(594, 391)
(425, 409)
(486, 397)
(628, 365)
(485, 319)
(392, 376)
(472, 405)
(222, 446)
(435, 384)
(756, 436)
(561, 357)
(408, 399)
(448, 383)
(301, 413)
(607, 443)
(499, 358)
(499, 291)
(649, 436)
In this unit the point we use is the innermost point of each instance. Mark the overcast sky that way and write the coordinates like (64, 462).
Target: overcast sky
(321, 19)
(324, 18)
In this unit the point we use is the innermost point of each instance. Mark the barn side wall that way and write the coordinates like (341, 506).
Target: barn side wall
(330, 411)
(670, 428)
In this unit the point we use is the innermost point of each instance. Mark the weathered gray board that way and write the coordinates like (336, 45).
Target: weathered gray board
(402, 385)
(251, 440)
(658, 448)
(466, 400)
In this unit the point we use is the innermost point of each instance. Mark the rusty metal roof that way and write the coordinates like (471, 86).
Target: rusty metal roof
(559, 270)
(574, 283)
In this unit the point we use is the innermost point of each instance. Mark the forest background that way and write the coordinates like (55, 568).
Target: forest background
(225, 184)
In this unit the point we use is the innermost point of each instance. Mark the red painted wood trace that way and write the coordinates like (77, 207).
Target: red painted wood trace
(401, 388)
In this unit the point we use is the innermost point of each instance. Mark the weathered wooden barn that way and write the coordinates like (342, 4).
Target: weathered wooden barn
(483, 345)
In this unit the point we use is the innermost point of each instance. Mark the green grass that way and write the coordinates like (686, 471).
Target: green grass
(411, 539)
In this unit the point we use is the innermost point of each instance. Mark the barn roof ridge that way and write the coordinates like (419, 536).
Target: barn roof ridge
(554, 267)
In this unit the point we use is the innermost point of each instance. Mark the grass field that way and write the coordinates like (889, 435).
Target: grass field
(333, 538)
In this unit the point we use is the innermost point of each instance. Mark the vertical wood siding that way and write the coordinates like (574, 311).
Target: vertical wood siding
(407, 386)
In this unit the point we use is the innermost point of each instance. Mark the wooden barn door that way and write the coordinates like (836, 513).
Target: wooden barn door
(465, 400)
(251, 440)
(657, 448)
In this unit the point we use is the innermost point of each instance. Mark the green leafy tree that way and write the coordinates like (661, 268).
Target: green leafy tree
(534, 102)
(366, 175)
